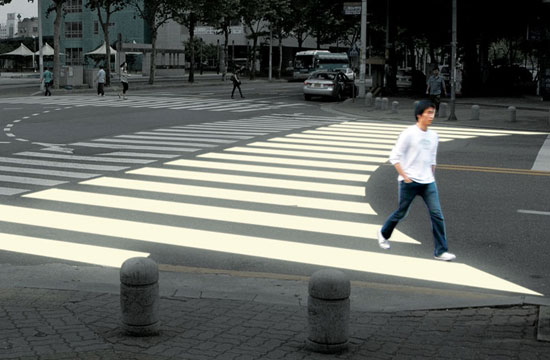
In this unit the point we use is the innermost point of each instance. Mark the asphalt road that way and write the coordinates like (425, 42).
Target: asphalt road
(242, 223)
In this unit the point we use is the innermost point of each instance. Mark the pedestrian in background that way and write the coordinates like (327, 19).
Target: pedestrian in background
(100, 81)
(236, 83)
(435, 87)
(414, 158)
(48, 81)
(123, 80)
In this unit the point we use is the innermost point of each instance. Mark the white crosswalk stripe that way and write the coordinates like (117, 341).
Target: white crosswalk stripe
(191, 103)
(118, 153)
(217, 200)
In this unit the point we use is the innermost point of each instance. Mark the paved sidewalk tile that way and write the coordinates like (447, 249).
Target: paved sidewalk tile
(53, 324)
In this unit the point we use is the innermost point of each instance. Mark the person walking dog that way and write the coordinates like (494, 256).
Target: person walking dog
(414, 159)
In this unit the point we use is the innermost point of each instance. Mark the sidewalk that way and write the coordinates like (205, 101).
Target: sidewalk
(531, 113)
(247, 316)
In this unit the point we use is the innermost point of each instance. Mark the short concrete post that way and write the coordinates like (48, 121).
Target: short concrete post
(475, 112)
(395, 107)
(512, 113)
(139, 297)
(385, 103)
(328, 311)
(368, 99)
(442, 110)
(378, 103)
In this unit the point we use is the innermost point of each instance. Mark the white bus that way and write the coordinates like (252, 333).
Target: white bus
(306, 62)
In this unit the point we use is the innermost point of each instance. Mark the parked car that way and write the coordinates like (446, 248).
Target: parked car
(329, 84)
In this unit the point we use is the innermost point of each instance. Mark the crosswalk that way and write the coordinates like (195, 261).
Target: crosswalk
(264, 198)
(56, 164)
(192, 103)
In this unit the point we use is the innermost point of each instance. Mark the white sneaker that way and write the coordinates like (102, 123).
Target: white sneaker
(446, 256)
(382, 241)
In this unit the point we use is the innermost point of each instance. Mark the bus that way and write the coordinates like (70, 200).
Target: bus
(306, 62)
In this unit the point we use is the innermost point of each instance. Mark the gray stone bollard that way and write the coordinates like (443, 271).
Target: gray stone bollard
(385, 103)
(328, 311)
(512, 113)
(442, 110)
(475, 112)
(395, 107)
(368, 99)
(139, 297)
(378, 103)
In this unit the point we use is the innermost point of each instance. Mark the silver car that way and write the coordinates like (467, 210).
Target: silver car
(329, 84)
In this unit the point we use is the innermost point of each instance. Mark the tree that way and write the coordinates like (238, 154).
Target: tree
(155, 13)
(253, 14)
(188, 13)
(280, 22)
(221, 14)
(105, 8)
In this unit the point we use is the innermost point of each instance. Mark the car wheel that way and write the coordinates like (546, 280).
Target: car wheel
(307, 97)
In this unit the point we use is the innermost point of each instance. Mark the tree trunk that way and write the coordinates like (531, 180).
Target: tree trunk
(280, 69)
(107, 51)
(56, 38)
(153, 65)
(225, 51)
(254, 46)
(192, 50)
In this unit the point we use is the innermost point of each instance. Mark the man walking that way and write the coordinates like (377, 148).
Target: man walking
(48, 80)
(236, 84)
(436, 86)
(100, 81)
(414, 158)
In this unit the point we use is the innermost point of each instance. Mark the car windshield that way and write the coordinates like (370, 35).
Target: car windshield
(323, 76)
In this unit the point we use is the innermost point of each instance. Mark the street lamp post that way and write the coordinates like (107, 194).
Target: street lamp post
(452, 115)
(362, 66)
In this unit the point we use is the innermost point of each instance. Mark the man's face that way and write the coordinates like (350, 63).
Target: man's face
(427, 117)
(436, 72)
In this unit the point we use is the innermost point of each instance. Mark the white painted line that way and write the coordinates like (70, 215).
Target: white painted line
(158, 137)
(281, 250)
(11, 191)
(83, 158)
(344, 144)
(533, 212)
(542, 162)
(252, 181)
(61, 164)
(274, 170)
(331, 149)
(210, 131)
(235, 195)
(308, 154)
(135, 147)
(98, 255)
(208, 135)
(69, 174)
(30, 181)
(145, 142)
(288, 161)
(238, 216)
(140, 155)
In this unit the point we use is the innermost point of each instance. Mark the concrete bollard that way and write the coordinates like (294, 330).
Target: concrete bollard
(442, 110)
(512, 113)
(368, 99)
(475, 112)
(385, 103)
(139, 297)
(395, 107)
(378, 103)
(328, 311)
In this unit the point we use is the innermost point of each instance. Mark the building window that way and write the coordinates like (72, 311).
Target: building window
(73, 6)
(73, 30)
(73, 56)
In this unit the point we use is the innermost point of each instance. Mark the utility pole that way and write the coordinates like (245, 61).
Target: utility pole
(40, 55)
(270, 54)
(363, 48)
(452, 115)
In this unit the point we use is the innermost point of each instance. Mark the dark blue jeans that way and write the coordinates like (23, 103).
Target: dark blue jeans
(428, 192)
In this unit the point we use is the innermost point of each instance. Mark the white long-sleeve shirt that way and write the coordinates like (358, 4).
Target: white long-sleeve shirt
(416, 152)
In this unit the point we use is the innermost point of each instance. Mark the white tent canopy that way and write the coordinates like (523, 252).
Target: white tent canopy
(22, 50)
(102, 50)
(47, 50)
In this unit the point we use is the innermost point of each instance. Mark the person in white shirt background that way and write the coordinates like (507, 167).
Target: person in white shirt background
(123, 80)
(100, 81)
(414, 158)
